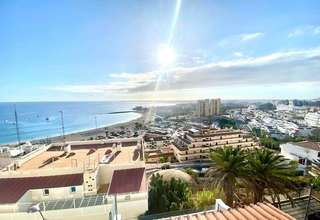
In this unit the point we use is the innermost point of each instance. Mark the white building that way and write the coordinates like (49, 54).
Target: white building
(312, 119)
(76, 183)
(303, 152)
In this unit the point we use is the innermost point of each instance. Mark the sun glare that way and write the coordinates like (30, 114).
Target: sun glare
(166, 55)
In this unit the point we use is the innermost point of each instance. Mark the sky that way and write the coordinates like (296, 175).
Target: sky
(108, 50)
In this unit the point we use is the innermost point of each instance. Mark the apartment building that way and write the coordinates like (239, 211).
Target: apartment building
(208, 107)
(196, 143)
(81, 181)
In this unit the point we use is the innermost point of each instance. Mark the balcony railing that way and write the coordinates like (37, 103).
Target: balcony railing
(86, 201)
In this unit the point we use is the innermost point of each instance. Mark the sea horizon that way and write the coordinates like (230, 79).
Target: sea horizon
(40, 120)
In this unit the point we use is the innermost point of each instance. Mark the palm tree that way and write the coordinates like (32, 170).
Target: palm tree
(270, 172)
(167, 196)
(227, 169)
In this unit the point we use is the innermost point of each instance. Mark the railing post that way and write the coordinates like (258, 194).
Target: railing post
(74, 203)
(308, 204)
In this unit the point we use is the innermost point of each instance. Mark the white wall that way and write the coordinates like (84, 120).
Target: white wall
(56, 193)
(293, 152)
(91, 182)
(130, 209)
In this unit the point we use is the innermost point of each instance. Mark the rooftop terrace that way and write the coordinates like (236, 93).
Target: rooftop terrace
(80, 156)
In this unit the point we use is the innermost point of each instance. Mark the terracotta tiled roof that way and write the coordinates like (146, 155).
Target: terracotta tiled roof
(127, 180)
(12, 189)
(260, 211)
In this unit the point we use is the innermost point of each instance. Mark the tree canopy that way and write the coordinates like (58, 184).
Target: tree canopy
(167, 196)
(265, 139)
(267, 107)
(315, 135)
(228, 168)
(258, 171)
(224, 122)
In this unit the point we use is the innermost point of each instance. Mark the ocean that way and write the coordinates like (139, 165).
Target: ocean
(43, 119)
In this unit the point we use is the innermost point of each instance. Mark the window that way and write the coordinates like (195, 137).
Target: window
(73, 189)
(46, 192)
(318, 154)
(301, 161)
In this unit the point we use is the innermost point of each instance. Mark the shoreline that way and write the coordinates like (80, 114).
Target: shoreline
(93, 133)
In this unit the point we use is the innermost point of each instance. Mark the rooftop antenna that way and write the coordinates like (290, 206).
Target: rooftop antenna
(17, 124)
(62, 127)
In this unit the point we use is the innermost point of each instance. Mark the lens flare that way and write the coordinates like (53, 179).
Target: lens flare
(166, 55)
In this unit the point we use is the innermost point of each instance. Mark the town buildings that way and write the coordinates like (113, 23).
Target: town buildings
(196, 143)
(279, 124)
(312, 119)
(208, 107)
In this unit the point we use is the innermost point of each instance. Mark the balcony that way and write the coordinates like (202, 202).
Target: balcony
(87, 201)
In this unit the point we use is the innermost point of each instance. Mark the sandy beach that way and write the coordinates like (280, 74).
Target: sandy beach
(94, 133)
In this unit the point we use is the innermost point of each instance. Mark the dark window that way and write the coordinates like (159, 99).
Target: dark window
(73, 189)
(318, 154)
(301, 161)
(46, 192)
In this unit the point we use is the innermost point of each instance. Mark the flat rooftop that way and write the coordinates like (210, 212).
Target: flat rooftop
(79, 157)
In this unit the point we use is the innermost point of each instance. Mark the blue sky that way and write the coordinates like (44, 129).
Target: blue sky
(107, 50)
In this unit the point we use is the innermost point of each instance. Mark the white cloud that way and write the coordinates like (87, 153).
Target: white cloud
(250, 36)
(272, 69)
(304, 30)
(237, 54)
(237, 40)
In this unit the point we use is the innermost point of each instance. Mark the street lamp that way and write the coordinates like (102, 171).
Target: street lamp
(36, 208)
(62, 126)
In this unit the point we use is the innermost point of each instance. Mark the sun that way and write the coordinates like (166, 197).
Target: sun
(166, 55)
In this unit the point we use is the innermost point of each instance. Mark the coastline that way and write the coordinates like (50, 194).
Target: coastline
(94, 133)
